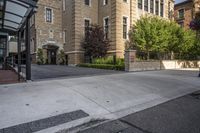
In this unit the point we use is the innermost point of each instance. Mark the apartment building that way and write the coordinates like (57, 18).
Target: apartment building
(60, 24)
(116, 16)
(186, 11)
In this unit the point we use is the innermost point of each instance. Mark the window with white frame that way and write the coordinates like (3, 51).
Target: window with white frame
(49, 15)
(161, 8)
(140, 4)
(125, 27)
(105, 2)
(151, 6)
(146, 5)
(86, 25)
(106, 27)
(157, 7)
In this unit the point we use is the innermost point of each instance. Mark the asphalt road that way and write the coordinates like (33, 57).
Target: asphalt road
(41, 72)
(181, 115)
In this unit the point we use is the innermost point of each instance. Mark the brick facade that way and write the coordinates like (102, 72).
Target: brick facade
(69, 23)
(47, 35)
(187, 17)
(190, 9)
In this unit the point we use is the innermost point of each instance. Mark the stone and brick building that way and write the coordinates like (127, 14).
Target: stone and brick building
(70, 17)
(185, 11)
(46, 27)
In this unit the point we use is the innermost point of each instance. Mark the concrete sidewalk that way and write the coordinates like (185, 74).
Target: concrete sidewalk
(102, 97)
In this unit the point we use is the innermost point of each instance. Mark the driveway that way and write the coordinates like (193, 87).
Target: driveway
(101, 97)
(41, 72)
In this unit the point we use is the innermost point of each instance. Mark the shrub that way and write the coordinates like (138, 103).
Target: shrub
(61, 57)
(103, 66)
(40, 56)
(108, 60)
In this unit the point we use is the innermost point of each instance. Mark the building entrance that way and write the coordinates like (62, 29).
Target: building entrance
(51, 53)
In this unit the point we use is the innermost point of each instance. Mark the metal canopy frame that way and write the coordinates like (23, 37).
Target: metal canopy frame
(14, 13)
(15, 19)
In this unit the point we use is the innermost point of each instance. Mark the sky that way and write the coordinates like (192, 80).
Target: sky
(178, 1)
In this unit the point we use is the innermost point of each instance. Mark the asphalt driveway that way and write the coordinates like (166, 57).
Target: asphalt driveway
(42, 72)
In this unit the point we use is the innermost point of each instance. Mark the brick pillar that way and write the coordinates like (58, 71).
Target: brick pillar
(130, 57)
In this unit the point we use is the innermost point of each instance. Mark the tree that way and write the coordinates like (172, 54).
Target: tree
(153, 34)
(149, 34)
(95, 43)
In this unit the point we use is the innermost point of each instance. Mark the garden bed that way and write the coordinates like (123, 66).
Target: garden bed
(103, 66)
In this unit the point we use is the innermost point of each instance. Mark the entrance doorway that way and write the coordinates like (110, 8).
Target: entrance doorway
(51, 56)
(51, 53)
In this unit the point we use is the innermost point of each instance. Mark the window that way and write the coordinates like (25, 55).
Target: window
(49, 15)
(64, 5)
(181, 13)
(87, 2)
(64, 36)
(140, 4)
(125, 21)
(87, 25)
(157, 7)
(106, 27)
(151, 6)
(146, 3)
(125, 1)
(105, 2)
(161, 8)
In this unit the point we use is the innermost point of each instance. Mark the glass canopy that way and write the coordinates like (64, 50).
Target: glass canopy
(13, 13)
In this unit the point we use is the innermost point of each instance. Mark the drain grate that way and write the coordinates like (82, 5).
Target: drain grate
(41, 124)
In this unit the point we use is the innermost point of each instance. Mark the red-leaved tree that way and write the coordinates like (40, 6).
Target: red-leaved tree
(95, 42)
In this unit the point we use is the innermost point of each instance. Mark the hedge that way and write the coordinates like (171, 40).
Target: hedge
(103, 66)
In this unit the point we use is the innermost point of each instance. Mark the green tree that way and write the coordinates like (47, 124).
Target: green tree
(95, 43)
(149, 34)
(157, 35)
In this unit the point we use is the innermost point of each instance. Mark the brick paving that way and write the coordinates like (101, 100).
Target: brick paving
(8, 77)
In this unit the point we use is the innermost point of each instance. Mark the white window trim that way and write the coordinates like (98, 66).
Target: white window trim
(46, 16)
(128, 27)
(107, 17)
(104, 2)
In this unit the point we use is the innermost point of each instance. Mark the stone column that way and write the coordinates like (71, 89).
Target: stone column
(130, 57)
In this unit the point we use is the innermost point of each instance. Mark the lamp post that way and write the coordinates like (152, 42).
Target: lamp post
(199, 71)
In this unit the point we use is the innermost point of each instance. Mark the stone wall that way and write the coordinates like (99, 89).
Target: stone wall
(132, 65)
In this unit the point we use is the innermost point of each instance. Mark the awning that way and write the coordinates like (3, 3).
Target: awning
(13, 14)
